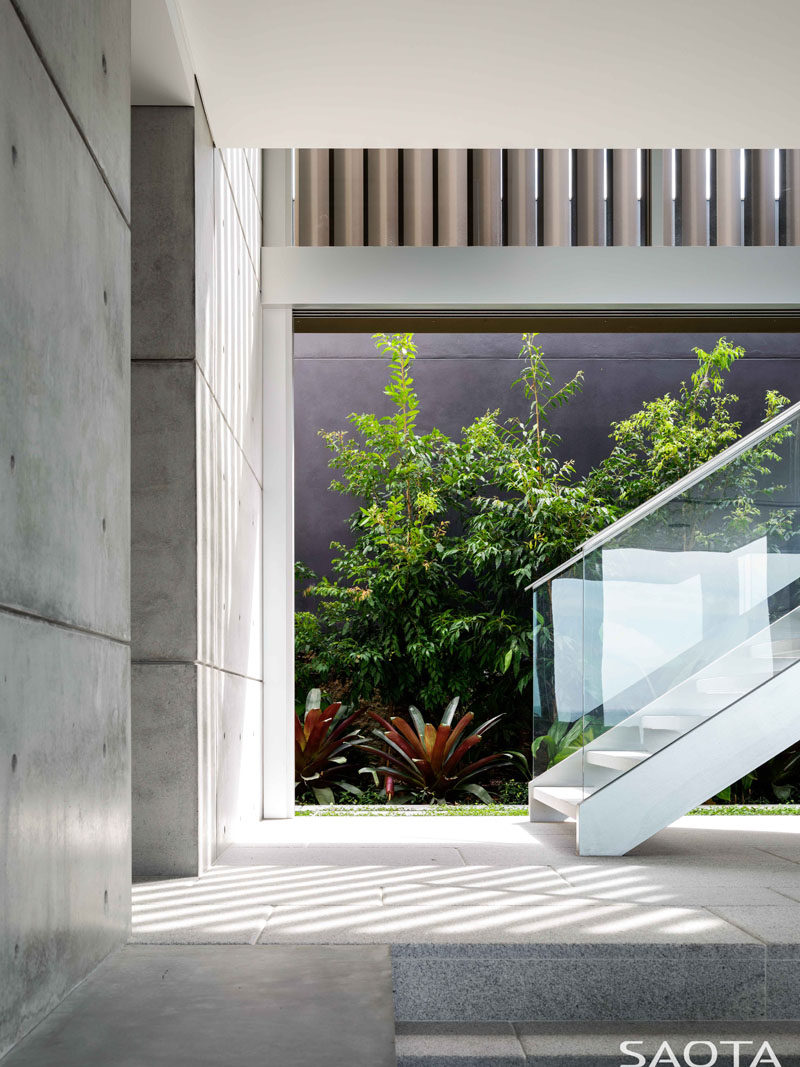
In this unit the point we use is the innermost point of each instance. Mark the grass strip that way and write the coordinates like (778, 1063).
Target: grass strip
(518, 810)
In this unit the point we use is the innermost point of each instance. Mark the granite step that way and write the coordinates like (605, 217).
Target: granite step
(596, 1045)
(592, 982)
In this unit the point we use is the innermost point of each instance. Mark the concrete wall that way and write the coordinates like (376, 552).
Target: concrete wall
(196, 608)
(460, 376)
(64, 499)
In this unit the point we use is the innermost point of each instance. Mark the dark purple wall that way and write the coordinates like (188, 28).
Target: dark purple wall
(459, 376)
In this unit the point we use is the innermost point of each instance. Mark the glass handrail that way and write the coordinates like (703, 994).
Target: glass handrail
(670, 616)
(699, 474)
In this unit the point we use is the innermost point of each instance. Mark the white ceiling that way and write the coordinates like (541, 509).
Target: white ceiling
(161, 71)
(493, 73)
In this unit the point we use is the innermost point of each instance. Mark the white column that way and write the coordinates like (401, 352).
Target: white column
(277, 520)
(278, 562)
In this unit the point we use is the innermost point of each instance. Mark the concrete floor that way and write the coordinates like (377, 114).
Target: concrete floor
(502, 946)
(704, 880)
(493, 919)
(198, 1006)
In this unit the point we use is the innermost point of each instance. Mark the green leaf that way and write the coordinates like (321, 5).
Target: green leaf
(478, 791)
(348, 788)
(323, 795)
(449, 712)
(419, 722)
(313, 699)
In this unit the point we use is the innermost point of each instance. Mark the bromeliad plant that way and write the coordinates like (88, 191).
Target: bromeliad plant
(561, 740)
(426, 762)
(322, 740)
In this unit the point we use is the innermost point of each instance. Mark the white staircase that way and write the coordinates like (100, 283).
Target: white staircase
(672, 760)
(679, 651)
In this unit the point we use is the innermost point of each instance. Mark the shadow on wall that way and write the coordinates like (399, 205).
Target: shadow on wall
(229, 504)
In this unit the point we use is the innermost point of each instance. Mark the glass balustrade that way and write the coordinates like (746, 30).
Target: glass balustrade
(670, 615)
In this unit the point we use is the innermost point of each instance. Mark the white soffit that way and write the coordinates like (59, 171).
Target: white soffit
(497, 73)
(161, 71)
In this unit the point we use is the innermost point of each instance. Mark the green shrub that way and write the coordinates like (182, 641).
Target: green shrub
(429, 598)
(670, 436)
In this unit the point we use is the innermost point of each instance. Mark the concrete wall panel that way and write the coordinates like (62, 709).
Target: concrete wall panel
(204, 238)
(164, 752)
(244, 179)
(238, 754)
(87, 48)
(162, 226)
(64, 342)
(65, 820)
(164, 512)
(231, 362)
(229, 547)
(196, 483)
(64, 813)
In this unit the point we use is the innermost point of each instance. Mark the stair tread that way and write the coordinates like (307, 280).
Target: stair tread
(565, 792)
(630, 752)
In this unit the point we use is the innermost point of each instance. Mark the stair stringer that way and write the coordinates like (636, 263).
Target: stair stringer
(761, 724)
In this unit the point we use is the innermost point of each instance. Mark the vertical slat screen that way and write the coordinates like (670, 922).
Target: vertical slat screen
(529, 197)
(730, 223)
(625, 207)
(487, 203)
(791, 195)
(383, 205)
(692, 194)
(761, 196)
(418, 196)
(452, 190)
(348, 196)
(591, 205)
(556, 209)
(521, 196)
(312, 202)
(669, 205)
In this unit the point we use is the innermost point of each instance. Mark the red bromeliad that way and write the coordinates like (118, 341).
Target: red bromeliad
(426, 760)
(322, 738)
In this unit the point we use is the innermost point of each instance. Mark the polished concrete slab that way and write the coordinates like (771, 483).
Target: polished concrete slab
(236, 1006)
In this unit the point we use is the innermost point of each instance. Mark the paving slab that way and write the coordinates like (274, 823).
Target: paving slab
(426, 894)
(563, 922)
(597, 1045)
(778, 926)
(458, 1045)
(233, 1005)
(344, 854)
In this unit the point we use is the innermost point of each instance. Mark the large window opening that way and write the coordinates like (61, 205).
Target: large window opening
(464, 368)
